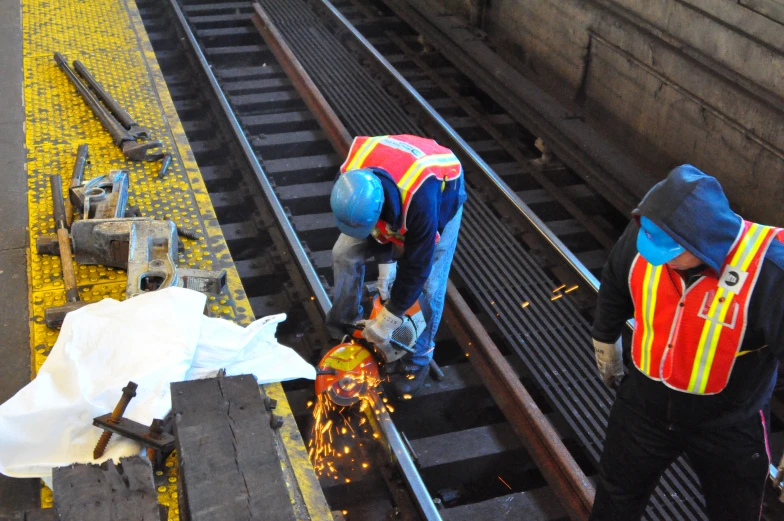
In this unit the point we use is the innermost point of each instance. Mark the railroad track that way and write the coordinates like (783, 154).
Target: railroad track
(467, 454)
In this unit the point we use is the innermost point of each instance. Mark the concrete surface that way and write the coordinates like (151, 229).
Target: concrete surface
(15, 494)
(674, 81)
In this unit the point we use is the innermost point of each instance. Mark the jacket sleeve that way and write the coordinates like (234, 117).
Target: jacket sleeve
(413, 268)
(614, 304)
(768, 300)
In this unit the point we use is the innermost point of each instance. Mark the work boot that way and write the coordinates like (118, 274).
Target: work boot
(409, 381)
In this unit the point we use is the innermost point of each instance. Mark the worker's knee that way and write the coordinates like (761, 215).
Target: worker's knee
(348, 252)
(616, 501)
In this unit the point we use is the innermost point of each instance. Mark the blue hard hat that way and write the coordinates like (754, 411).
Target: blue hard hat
(655, 245)
(356, 201)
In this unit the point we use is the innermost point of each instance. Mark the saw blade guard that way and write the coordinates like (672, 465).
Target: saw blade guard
(347, 372)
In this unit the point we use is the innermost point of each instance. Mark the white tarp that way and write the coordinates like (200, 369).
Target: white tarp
(153, 340)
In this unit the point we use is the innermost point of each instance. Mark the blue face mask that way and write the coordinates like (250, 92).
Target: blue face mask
(655, 245)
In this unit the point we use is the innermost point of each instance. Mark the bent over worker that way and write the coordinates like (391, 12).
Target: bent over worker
(706, 290)
(398, 197)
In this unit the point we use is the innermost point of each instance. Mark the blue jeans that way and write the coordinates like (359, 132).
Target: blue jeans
(349, 256)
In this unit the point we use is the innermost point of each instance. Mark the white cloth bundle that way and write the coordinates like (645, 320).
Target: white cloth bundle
(153, 339)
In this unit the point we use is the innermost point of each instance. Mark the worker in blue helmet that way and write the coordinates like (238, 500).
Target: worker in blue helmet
(398, 200)
(706, 291)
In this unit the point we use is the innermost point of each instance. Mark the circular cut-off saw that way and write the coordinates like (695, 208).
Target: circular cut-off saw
(346, 372)
(351, 368)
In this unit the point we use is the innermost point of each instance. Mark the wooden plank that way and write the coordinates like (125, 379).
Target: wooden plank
(123, 492)
(534, 505)
(41, 514)
(229, 465)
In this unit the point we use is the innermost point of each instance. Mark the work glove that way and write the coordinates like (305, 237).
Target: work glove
(779, 481)
(609, 360)
(378, 331)
(386, 277)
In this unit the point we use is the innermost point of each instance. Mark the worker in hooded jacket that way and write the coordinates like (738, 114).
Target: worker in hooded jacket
(706, 290)
(398, 199)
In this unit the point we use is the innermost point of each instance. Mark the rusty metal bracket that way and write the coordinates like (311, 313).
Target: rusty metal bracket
(163, 442)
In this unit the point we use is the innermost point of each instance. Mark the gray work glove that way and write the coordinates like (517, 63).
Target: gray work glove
(609, 360)
(378, 331)
(779, 481)
(386, 277)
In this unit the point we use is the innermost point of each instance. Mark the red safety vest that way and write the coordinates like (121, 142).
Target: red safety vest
(410, 160)
(689, 338)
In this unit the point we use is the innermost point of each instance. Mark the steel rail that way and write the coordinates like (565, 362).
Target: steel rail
(466, 149)
(341, 140)
(545, 447)
(336, 133)
(402, 456)
(557, 465)
(318, 292)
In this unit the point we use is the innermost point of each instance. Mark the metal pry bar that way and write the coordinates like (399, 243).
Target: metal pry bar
(127, 143)
(120, 113)
(76, 180)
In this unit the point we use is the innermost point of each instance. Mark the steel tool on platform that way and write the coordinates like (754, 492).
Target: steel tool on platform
(119, 113)
(103, 197)
(124, 137)
(146, 248)
(57, 314)
(76, 180)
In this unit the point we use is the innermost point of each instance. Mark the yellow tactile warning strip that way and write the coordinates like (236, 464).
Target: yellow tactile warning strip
(109, 38)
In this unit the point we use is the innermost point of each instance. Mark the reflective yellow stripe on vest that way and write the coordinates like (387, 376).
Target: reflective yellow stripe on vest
(650, 290)
(717, 314)
(364, 151)
(412, 174)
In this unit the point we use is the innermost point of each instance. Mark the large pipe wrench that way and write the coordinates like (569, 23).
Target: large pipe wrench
(124, 137)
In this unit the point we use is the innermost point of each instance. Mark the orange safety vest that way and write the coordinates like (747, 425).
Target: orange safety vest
(689, 338)
(410, 160)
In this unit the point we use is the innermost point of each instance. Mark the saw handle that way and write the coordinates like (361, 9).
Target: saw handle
(392, 341)
(63, 238)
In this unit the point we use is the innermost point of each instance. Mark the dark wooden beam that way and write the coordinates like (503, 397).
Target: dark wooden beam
(110, 492)
(226, 447)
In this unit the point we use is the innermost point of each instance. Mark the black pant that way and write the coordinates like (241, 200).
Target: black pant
(731, 462)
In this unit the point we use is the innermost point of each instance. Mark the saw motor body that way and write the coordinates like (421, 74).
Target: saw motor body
(350, 369)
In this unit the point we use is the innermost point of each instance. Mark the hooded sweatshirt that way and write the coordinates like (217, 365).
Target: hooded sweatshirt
(692, 209)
